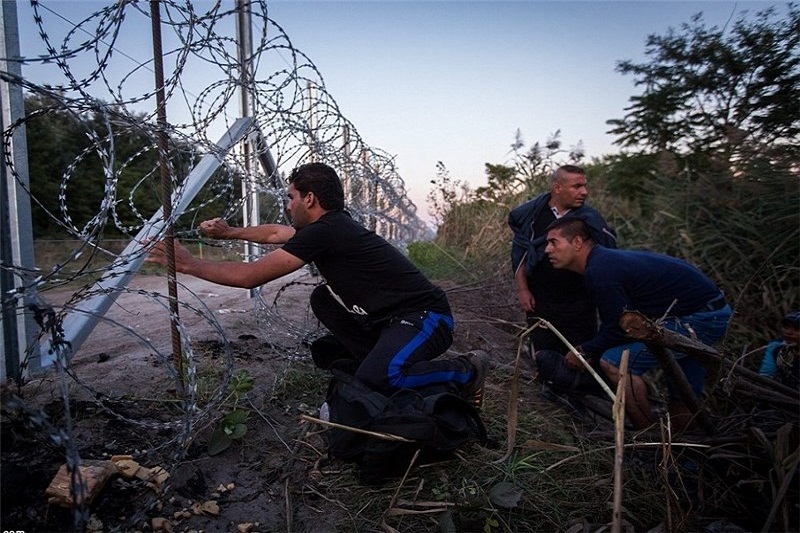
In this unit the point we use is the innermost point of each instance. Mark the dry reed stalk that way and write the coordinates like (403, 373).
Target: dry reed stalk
(382, 436)
(619, 442)
(513, 413)
(666, 439)
(784, 476)
(289, 513)
(632, 445)
(411, 463)
(544, 323)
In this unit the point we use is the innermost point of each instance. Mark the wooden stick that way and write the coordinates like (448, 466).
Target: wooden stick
(767, 395)
(619, 443)
(639, 327)
(674, 370)
(383, 436)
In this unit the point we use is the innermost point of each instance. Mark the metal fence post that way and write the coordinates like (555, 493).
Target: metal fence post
(18, 332)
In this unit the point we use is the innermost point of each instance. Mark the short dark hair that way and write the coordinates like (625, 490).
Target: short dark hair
(323, 181)
(571, 227)
(566, 169)
(791, 320)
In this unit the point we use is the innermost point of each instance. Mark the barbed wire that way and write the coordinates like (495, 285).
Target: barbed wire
(106, 87)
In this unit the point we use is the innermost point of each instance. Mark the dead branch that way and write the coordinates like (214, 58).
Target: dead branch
(619, 443)
(639, 327)
(672, 367)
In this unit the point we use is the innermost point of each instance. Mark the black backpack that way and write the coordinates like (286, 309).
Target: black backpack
(435, 418)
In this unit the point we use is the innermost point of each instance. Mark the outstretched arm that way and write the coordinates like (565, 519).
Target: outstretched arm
(218, 228)
(231, 273)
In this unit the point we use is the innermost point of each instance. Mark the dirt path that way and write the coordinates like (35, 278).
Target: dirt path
(122, 401)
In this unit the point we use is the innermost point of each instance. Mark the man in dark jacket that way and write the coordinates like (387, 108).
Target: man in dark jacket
(558, 296)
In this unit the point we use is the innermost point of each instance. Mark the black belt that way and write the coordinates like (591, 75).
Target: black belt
(716, 303)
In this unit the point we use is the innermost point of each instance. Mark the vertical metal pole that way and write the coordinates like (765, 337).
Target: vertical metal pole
(347, 165)
(244, 39)
(166, 191)
(18, 329)
(312, 120)
(373, 199)
(363, 192)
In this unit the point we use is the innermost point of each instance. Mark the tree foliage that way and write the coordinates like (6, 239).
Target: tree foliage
(717, 90)
(709, 173)
(530, 168)
(94, 173)
(446, 193)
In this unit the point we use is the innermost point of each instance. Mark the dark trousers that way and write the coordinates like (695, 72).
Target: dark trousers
(397, 353)
(576, 321)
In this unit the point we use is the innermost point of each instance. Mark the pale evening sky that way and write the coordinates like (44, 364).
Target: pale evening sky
(451, 81)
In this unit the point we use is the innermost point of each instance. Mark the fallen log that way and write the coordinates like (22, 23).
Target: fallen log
(639, 327)
(658, 339)
(673, 369)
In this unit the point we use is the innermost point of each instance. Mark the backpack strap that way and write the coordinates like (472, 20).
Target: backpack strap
(352, 389)
(457, 419)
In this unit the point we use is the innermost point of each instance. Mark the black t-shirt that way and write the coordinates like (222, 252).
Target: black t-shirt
(550, 284)
(367, 274)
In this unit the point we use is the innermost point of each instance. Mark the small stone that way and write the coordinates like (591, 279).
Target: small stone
(126, 467)
(211, 508)
(161, 524)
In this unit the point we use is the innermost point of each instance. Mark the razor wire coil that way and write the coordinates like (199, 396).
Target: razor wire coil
(89, 72)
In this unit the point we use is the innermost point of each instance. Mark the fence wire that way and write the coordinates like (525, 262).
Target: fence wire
(91, 71)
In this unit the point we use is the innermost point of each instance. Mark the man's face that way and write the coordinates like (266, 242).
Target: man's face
(297, 208)
(570, 191)
(791, 335)
(559, 250)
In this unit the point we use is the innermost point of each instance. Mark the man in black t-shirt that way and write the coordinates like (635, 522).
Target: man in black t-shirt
(389, 317)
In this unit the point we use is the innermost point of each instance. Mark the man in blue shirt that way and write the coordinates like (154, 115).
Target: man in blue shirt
(660, 287)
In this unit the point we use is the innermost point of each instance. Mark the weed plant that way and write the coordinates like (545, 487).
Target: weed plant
(743, 229)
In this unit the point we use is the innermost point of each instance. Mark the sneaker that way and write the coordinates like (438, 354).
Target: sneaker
(474, 389)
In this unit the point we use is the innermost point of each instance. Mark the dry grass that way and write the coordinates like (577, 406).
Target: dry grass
(75, 264)
(744, 234)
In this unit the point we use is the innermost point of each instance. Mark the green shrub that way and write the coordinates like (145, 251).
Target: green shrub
(440, 262)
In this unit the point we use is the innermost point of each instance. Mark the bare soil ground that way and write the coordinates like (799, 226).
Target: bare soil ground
(122, 401)
(120, 398)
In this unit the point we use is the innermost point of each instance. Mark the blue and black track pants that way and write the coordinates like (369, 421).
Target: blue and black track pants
(402, 352)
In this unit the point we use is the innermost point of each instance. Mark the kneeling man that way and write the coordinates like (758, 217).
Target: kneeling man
(658, 286)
